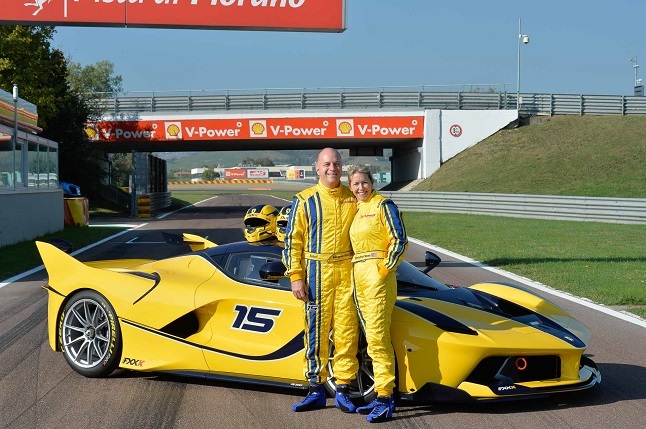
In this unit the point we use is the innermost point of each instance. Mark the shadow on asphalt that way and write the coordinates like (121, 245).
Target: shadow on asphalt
(619, 383)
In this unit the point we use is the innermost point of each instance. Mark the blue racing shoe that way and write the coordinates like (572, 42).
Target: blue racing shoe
(383, 410)
(314, 400)
(366, 409)
(342, 399)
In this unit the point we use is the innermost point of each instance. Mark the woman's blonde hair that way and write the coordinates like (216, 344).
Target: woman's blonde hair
(360, 168)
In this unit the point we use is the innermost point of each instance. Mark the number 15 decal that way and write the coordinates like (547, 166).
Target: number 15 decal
(256, 319)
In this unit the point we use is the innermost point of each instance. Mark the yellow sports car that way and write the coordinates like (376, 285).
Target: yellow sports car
(227, 312)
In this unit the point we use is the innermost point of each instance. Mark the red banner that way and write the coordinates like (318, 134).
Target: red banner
(287, 15)
(377, 127)
(235, 173)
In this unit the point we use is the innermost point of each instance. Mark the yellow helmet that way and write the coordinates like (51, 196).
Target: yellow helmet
(260, 223)
(281, 222)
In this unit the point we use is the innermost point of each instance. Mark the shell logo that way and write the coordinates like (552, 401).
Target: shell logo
(91, 132)
(173, 130)
(345, 127)
(258, 128)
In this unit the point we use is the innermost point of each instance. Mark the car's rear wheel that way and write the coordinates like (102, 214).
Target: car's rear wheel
(362, 388)
(89, 334)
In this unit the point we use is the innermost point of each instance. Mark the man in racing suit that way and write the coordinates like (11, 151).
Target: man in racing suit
(318, 259)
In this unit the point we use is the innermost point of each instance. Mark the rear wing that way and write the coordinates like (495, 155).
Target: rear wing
(194, 241)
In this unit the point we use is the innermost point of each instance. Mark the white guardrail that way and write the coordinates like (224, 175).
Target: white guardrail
(616, 210)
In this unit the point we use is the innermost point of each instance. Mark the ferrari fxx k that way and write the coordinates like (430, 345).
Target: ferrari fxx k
(227, 312)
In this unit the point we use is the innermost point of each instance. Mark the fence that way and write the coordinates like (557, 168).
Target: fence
(616, 210)
(530, 104)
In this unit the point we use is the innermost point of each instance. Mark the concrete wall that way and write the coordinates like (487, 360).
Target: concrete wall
(461, 129)
(446, 134)
(27, 215)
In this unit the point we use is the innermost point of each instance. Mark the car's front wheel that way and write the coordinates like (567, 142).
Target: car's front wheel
(362, 388)
(89, 334)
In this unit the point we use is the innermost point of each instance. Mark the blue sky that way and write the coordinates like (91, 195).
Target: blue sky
(579, 47)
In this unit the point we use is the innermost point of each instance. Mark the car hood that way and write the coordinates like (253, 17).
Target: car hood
(472, 311)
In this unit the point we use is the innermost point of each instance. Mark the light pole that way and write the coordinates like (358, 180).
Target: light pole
(635, 66)
(637, 81)
(524, 38)
(14, 142)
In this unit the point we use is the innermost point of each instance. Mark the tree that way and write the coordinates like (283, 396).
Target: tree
(261, 162)
(208, 174)
(121, 169)
(28, 60)
(93, 82)
(94, 78)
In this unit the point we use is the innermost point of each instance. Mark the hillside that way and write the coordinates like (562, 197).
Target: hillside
(601, 156)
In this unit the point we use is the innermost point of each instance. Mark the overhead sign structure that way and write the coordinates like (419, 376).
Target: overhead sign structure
(283, 15)
(377, 127)
(27, 113)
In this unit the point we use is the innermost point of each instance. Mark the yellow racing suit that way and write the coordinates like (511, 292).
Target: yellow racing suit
(379, 241)
(318, 251)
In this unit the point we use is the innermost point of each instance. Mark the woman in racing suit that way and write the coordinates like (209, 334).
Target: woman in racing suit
(379, 241)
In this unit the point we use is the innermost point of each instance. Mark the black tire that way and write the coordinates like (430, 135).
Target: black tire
(362, 388)
(89, 334)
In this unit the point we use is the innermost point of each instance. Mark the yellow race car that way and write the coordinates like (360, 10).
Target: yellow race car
(227, 312)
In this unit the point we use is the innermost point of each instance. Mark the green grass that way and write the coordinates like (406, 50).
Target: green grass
(641, 311)
(601, 261)
(21, 257)
(102, 208)
(601, 156)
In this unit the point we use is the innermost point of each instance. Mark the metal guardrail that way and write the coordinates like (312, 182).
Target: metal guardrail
(159, 200)
(615, 210)
(530, 103)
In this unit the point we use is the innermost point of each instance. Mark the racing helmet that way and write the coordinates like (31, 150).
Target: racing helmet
(260, 223)
(281, 222)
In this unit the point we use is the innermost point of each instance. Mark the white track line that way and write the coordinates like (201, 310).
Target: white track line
(531, 283)
(185, 207)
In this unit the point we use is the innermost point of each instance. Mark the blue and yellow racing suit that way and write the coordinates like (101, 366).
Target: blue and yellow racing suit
(318, 251)
(379, 241)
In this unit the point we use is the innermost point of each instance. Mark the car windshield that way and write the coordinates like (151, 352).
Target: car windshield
(408, 276)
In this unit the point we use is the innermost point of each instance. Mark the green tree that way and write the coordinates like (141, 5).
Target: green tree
(94, 78)
(121, 169)
(260, 162)
(28, 60)
(208, 174)
(93, 82)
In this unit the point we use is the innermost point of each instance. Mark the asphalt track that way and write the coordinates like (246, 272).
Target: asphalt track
(39, 390)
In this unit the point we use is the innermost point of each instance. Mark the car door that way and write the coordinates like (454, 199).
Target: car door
(256, 326)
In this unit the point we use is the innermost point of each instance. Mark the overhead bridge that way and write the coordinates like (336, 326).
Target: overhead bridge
(423, 128)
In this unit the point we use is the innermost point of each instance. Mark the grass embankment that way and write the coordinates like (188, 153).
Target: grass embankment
(601, 156)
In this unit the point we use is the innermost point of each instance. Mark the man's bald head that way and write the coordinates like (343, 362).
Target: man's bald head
(329, 167)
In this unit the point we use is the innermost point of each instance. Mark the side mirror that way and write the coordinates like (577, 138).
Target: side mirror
(431, 260)
(272, 271)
